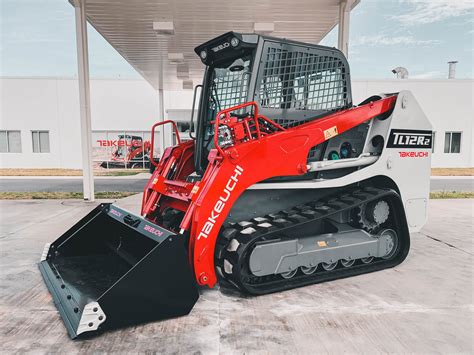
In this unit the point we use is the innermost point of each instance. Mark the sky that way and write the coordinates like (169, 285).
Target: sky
(37, 38)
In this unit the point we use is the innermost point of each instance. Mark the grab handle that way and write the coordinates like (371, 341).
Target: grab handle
(134, 222)
(175, 127)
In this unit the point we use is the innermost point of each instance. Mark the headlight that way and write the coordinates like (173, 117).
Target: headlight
(203, 55)
(234, 42)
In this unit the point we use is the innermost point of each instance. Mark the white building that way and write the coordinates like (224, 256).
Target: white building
(40, 126)
(448, 104)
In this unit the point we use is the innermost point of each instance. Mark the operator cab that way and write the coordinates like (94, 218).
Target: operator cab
(292, 82)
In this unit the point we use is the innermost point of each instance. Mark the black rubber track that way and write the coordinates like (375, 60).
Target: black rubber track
(281, 224)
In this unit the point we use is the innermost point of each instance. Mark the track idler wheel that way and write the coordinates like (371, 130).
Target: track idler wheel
(393, 244)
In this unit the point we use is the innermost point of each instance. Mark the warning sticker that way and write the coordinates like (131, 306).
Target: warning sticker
(195, 189)
(331, 132)
(322, 243)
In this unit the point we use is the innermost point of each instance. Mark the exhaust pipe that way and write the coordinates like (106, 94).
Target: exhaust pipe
(452, 69)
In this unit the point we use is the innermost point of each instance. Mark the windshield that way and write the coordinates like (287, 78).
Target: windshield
(229, 85)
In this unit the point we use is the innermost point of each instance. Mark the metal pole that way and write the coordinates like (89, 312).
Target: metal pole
(161, 113)
(343, 33)
(84, 99)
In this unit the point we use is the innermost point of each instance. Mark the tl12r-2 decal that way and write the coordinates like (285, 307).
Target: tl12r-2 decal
(410, 138)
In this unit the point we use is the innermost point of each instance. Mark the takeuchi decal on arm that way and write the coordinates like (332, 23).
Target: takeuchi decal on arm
(220, 203)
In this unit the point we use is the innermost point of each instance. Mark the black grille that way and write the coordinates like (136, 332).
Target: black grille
(302, 80)
(231, 89)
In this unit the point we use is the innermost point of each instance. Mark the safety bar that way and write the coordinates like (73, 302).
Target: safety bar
(153, 137)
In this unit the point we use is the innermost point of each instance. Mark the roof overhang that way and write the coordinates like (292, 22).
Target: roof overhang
(144, 32)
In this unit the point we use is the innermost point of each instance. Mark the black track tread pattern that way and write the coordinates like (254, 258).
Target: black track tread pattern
(275, 226)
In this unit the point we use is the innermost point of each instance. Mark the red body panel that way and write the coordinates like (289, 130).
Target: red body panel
(258, 153)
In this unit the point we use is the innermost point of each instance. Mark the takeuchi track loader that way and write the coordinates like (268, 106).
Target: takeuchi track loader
(286, 183)
(131, 153)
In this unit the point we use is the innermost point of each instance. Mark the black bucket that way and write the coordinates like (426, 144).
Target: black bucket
(114, 269)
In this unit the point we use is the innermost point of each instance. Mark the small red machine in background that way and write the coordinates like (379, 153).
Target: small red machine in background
(131, 153)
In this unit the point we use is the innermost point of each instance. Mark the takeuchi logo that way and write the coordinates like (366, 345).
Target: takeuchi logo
(221, 202)
(115, 213)
(153, 230)
(118, 143)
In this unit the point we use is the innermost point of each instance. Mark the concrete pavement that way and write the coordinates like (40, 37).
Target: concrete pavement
(137, 183)
(424, 305)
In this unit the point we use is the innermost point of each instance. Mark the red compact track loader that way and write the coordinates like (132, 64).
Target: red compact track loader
(131, 153)
(285, 184)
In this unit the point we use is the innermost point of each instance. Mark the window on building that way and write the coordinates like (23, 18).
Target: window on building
(433, 141)
(40, 141)
(452, 142)
(10, 142)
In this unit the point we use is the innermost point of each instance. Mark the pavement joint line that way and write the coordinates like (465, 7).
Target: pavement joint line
(445, 243)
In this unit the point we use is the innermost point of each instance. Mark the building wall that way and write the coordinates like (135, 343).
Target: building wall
(44, 105)
(132, 105)
(448, 104)
(53, 104)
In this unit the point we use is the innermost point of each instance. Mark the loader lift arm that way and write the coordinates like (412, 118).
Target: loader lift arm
(233, 169)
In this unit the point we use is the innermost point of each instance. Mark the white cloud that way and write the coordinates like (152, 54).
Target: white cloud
(427, 75)
(382, 40)
(430, 11)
